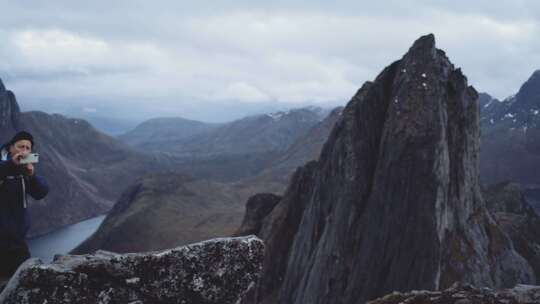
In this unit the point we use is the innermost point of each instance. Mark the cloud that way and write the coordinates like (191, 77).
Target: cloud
(243, 92)
(189, 57)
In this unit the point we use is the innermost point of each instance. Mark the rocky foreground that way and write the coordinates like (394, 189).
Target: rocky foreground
(465, 294)
(214, 271)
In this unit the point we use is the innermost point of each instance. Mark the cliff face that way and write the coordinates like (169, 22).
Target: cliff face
(257, 208)
(9, 112)
(394, 201)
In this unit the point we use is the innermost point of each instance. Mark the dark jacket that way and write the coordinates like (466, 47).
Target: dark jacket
(14, 220)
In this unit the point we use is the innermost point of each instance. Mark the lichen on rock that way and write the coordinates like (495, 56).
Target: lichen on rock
(214, 271)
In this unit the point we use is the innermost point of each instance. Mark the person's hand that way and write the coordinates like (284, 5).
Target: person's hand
(16, 158)
(29, 169)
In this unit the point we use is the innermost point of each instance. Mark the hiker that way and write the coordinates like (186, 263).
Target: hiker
(16, 181)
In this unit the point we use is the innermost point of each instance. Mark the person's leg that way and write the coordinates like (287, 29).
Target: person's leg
(11, 258)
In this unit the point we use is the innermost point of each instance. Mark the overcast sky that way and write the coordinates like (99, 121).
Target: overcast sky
(216, 60)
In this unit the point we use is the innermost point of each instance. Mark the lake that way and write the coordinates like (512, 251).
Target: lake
(63, 240)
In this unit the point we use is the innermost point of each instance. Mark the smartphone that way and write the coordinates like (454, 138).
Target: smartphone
(31, 158)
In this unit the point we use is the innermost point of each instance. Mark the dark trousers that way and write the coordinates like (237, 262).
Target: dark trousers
(12, 256)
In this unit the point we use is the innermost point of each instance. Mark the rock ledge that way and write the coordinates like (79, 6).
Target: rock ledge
(214, 271)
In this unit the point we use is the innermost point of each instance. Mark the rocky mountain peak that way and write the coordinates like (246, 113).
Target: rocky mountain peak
(519, 113)
(299, 114)
(394, 201)
(424, 45)
(9, 112)
(529, 93)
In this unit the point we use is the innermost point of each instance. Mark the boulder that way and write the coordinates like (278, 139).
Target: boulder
(214, 271)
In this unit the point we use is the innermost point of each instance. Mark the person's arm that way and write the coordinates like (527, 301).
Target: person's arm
(11, 166)
(37, 187)
(7, 168)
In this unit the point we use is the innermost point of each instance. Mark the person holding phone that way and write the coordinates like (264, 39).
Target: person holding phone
(17, 179)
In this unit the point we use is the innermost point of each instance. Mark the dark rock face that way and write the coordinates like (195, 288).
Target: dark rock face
(464, 294)
(215, 271)
(394, 201)
(517, 219)
(9, 112)
(529, 93)
(279, 230)
(257, 208)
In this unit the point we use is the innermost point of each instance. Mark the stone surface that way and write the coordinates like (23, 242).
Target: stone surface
(464, 294)
(214, 271)
(257, 208)
(518, 220)
(9, 113)
(394, 202)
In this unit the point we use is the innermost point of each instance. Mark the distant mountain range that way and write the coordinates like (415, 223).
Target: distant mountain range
(253, 134)
(511, 135)
(161, 134)
(306, 148)
(224, 152)
(165, 210)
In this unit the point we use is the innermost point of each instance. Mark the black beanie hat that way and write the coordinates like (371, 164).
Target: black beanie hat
(20, 136)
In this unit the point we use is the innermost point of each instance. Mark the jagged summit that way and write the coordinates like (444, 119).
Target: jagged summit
(424, 45)
(2, 87)
(394, 201)
(519, 111)
(529, 93)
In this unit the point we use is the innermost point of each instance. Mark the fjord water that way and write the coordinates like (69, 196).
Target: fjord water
(63, 240)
